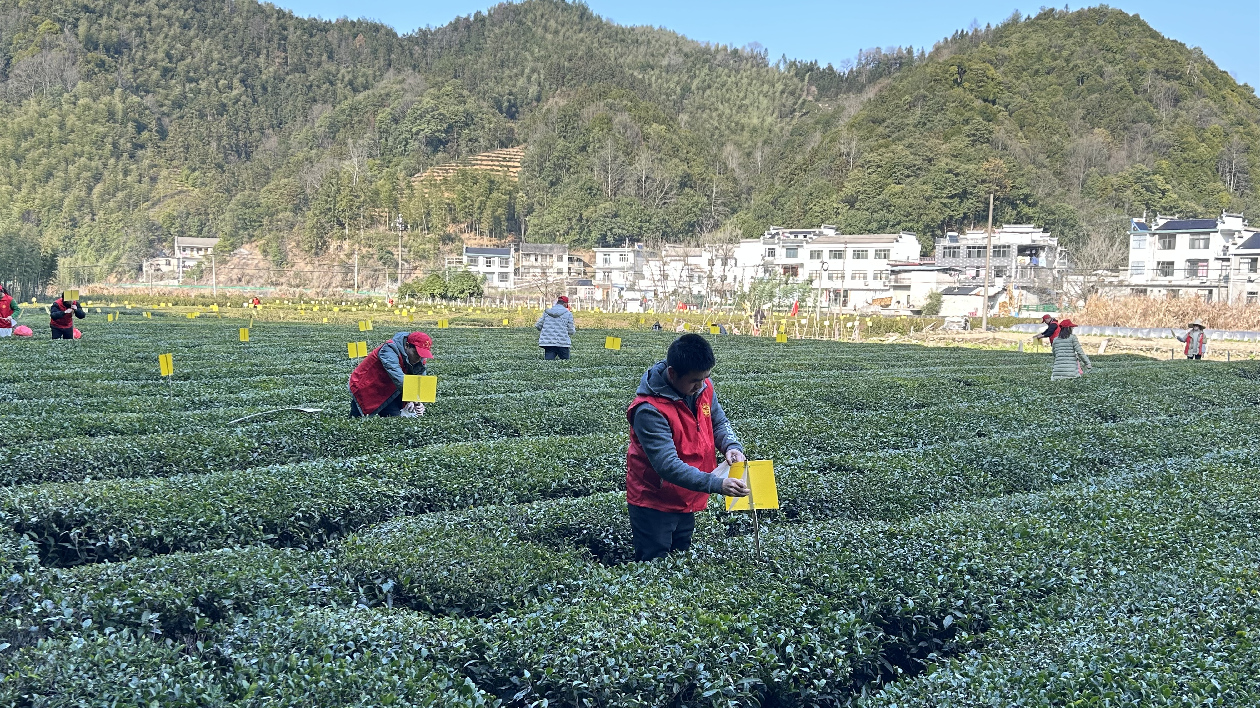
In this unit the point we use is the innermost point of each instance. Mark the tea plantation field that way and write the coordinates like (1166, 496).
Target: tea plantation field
(955, 529)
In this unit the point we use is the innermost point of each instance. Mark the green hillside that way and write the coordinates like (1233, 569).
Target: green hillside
(125, 123)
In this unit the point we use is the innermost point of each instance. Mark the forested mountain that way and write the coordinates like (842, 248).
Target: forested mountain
(126, 122)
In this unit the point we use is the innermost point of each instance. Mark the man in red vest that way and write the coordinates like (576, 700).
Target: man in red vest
(61, 317)
(1052, 329)
(377, 382)
(8, 311)
(676, 425)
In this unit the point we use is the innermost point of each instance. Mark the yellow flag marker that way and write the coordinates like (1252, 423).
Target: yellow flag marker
(352, 350)
(214, 308)
(642, 321)
(369, 324)
(325, 320)
(362, 348)
(613, 343)
(713, 329)
(505, 322)
(781, 337)
(244, 334)
(760, 479)
(336, 309)
(422, 389)
(166, 364)
(148, 315)
(443, 324)
(109, 317)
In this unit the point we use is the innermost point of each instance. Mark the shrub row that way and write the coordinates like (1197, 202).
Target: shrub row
(837, 609)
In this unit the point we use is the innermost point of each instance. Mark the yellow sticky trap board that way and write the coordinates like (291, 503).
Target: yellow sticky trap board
(781, 337)
(149, 315)
(362, 325)
(352, 350)
(166, 364)
(244, 334)
(642, 321)
(70, 295)
(613, 343)
(109, 317)
(505, 322)
(443, 324)
(422, 389)
(713, 329)
(214, 308)
(325, 320)
(764, 492)
(362, 348)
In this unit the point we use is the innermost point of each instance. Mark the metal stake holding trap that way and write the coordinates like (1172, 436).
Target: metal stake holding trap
(275, 410)
(752, 506)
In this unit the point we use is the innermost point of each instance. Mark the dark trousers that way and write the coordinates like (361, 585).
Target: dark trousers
(657, 533)
(555, 353)
(63, 333)
(1194, 356)
(392, 408)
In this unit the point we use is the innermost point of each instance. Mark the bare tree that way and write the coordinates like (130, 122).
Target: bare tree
(1232, 167)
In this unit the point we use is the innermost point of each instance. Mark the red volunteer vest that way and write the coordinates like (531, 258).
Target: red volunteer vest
(693, 438)
(6, 311)
(66, 321)
(370, 385)
(1199, 349)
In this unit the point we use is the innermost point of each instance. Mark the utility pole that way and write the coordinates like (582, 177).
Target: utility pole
(988, 268)
(356, 272)
(214, 276)
(400, 252)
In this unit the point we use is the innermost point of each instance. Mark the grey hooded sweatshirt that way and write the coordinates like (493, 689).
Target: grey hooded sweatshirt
(652, 430)
(555, 327)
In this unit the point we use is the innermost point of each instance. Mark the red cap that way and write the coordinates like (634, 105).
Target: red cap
(422, 342)
(1066, 323)
(563, 299)
(1046, 318)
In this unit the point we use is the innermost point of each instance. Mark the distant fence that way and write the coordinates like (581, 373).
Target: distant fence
(1145, 332)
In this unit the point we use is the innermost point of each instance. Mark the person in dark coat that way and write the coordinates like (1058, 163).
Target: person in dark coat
(676, 425)
(61, 317)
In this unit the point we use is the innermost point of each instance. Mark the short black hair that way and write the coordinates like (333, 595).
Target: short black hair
(689, 353)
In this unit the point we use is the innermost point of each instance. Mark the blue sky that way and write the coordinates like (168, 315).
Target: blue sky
(1227, 30)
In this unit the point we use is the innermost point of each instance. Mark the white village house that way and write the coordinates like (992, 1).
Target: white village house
(1211, 259)
(496, 265)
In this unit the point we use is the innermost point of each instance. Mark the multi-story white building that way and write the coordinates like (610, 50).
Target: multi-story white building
(1213, 259)
(495, 264)
(188, 253)
(1023, 255)
(848, 270)
(620, 269)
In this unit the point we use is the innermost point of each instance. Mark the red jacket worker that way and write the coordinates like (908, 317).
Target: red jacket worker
(377, 382)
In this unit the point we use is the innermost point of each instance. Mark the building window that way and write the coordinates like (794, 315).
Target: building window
(879, 275)
(951, 252)
(1138, 242)
(1253, 298)
(1164, 269)
(975, 251)
(505, 263)
(860, 254)
(1198, 242)
(1001, 252)
(1140, 292)
(882, 254)
(791, 270)
(623, 257)
(605, 275)
(769, 253)
(1248, 265)
(503, 277)
(790, 252)
(606, 259)
(836, 255)
(1196, 268)
(815, 255)
(1167, 242)
(1173, 294)
(999, 271)
(835, 275)
(1137, 268)
(857, 275)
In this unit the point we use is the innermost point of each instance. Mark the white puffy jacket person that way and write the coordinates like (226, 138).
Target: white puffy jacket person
(555, 329)
(1196, 341)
